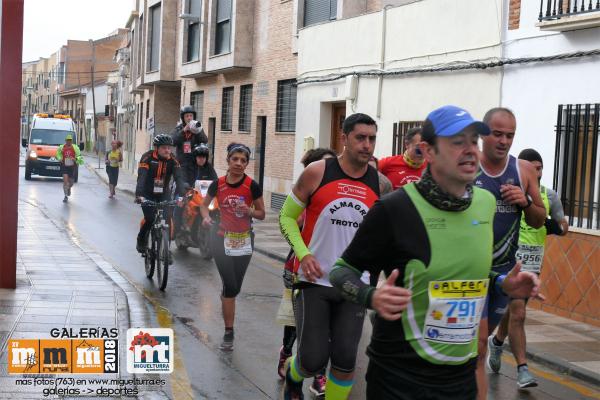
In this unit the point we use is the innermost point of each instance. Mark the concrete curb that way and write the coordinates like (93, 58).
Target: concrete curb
(270, 254)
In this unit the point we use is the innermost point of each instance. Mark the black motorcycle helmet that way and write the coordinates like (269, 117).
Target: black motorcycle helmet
(162, 139)
(201, 151)
(186, 110)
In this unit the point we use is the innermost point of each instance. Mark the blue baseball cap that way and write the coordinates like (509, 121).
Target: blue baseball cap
(450, 120)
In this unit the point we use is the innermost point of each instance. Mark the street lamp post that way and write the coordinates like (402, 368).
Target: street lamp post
(28, 90)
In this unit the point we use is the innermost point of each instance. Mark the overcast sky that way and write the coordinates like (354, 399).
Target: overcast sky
(49, 23)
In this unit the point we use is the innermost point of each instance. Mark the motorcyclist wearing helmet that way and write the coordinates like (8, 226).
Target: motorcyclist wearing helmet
(155, 170)
(204, 170)
(188, 134)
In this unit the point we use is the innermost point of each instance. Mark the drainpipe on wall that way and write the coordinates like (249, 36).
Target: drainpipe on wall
(382, 61)
(504, 17)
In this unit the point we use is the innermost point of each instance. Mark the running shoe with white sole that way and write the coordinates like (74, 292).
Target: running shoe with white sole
(227, 344)
(525, 379)
(494, 355)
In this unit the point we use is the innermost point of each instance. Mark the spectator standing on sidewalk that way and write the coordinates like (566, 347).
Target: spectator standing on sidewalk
(114, 158)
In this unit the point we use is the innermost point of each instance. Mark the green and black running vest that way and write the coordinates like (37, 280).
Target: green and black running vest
(533, 240)
(442, 321)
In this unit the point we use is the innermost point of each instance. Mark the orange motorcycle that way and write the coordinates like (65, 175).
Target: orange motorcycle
(192, 233)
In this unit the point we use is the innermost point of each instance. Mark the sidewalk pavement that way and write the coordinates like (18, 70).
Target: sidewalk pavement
(63, 284)
(568, 346)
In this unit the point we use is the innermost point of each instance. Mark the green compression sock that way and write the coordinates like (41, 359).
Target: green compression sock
(294, 371)
(337, 389)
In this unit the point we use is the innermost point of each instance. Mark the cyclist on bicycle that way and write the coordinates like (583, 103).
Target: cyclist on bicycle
(156, 168)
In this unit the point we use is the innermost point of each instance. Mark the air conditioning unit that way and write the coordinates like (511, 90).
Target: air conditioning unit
(190, 17)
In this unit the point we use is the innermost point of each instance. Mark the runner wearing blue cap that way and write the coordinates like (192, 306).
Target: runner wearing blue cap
(433, 239)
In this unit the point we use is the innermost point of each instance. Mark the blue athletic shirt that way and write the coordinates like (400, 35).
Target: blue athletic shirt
(507, 218)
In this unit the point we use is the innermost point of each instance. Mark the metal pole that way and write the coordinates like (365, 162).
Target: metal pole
(28, 114)
(11, 50)
(94, 103)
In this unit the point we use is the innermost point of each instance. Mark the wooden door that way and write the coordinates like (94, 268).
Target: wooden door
(337, 120)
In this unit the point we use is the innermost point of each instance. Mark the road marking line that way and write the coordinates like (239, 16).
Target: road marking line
(180, 381)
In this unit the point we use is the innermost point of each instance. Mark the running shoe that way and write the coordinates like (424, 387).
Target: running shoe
(318, 386)
(283, 356)
(227, 344)
(139, 246)
(291, 390)
(494, 355)
(65, 199)
(525, 379)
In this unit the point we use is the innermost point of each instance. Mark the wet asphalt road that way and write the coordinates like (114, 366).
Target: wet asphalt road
(191, 306)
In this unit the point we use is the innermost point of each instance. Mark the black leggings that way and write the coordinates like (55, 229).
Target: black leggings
(231, 269)
(328, 327)
(113, 175)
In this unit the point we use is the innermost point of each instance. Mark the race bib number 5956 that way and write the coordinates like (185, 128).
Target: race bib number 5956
(454, 311)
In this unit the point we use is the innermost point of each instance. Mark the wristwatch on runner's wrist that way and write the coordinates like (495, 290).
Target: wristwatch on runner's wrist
(529, 201)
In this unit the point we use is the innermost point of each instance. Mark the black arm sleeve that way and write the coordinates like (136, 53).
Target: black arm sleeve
(368, 251)
(347, 280)
(256, 190)
(212, 189)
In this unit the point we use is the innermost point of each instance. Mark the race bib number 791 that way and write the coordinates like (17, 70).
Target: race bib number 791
(454, 311)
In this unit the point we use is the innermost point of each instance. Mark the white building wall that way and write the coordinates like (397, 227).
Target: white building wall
(424, 33)
(534, 91)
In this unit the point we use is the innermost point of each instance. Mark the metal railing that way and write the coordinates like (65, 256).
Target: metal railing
(555, 9)
(576, 163)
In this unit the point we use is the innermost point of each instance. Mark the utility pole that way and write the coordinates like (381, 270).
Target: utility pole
(97, 144)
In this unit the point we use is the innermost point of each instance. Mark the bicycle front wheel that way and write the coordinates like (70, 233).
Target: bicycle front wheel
(150, 258)
(162, 267)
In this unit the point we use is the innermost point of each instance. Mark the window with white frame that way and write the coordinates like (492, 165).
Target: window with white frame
(194, 9)
(285, 120)
(227, 109)
(245, 115)
(223, 27)
(197, 102)
(154, 45)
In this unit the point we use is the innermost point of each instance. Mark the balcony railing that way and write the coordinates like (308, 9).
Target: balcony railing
(555, 9)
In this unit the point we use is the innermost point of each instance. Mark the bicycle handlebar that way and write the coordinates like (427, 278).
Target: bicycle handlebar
(159, 204)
